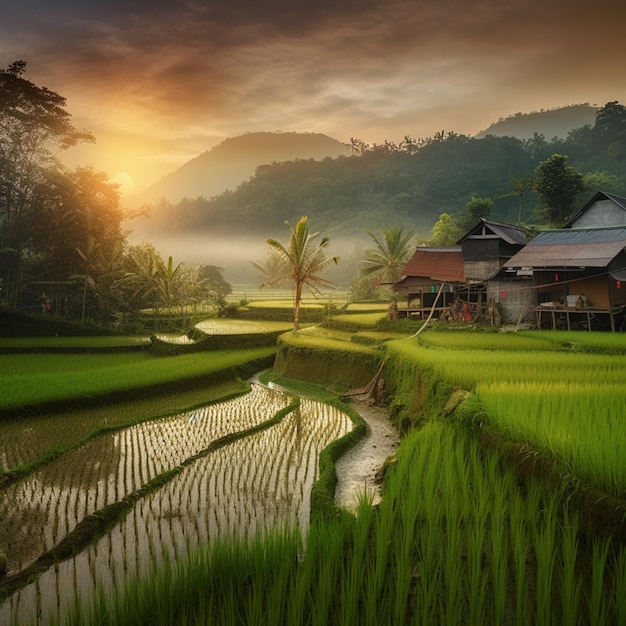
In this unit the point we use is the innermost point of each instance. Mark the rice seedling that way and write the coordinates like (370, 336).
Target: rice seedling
(68, 488)
(220, 494)
(549, 399)
(323, 339)
(453, 540)
(359, 319)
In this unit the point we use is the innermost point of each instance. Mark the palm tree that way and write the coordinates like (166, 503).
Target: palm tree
(301, 262)
(387, 260)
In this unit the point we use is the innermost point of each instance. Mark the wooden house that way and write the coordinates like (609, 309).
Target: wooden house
(579, 276)
(423, 276)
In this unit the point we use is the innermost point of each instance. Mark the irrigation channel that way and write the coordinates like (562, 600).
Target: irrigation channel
(231, 468)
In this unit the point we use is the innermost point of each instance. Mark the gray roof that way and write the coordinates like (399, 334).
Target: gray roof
(507, 232)
(571, 247)
(617, 200)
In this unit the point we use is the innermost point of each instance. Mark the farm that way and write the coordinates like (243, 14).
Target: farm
(503, 504)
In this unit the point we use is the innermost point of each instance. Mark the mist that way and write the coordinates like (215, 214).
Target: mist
(236, 254)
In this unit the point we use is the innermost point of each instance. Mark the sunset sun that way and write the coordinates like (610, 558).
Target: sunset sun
(126, 183)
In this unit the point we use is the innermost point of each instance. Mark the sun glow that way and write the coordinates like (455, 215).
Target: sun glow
(126, 183)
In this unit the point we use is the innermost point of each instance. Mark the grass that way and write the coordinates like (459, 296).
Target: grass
(358, 319)
(49, 377)
(94, 342)
(324, 339)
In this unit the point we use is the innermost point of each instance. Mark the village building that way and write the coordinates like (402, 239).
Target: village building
(604, 209)
(579, 272)
(573, 277)
(467, 273)
(431, 275)
(486, 247)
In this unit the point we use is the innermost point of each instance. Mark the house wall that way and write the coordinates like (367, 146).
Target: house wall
(480, 249)
(601, 213)
(481, 270)
(618, 293)
(595, 289)
(514, 298)
(548, 288)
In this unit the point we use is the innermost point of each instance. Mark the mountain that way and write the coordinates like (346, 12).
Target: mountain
(235, 160)
(549, 123)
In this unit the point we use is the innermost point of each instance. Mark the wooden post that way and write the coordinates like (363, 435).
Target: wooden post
(519, 319)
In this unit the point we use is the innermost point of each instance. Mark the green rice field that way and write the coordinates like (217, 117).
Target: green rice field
(30, 379)
(537, 388)
(224, 513)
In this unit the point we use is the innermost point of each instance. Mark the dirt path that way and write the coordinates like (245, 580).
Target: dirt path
(356, 470)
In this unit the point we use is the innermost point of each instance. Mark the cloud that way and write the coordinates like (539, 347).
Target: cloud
(187, 71)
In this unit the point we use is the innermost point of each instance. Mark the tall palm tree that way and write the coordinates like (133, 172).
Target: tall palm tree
(301, 262)
(387, 260)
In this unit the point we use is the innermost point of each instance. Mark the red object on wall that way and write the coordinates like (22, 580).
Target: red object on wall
(556, 278)
(618, 284)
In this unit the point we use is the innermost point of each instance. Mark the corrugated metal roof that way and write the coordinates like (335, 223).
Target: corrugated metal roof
(444, 264)
(571, 247)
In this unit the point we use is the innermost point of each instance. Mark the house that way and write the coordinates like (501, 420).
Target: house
(604, 209)
(486, 248)
(428, 271)
(487, 245)
(579, 274)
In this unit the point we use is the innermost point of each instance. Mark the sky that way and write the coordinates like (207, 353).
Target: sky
(158, 82)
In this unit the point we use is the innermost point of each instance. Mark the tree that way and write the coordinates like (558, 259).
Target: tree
(387, 260)
(520, 187)
(609, 133)
(33, 124)
(301, 261)
(446, 232)
(558, 185)
(475, 208)
(79, 230)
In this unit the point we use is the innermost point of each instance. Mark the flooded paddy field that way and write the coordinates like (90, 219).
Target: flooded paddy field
(232, 468)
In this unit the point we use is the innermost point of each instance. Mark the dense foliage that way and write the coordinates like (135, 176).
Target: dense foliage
(63, 248)
(412, 184)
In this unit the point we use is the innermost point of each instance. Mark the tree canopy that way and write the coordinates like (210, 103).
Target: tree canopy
(62, 239)
(558, 185)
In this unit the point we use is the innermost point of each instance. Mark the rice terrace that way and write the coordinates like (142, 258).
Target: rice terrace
(167, 480)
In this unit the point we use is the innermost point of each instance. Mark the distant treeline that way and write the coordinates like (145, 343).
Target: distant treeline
(408, 184)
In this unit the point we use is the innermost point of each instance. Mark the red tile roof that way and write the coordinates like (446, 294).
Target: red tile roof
(445, 264)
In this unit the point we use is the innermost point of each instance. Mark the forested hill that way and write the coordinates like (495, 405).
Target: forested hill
(408, 185)
(549, 123)
(235, 159)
